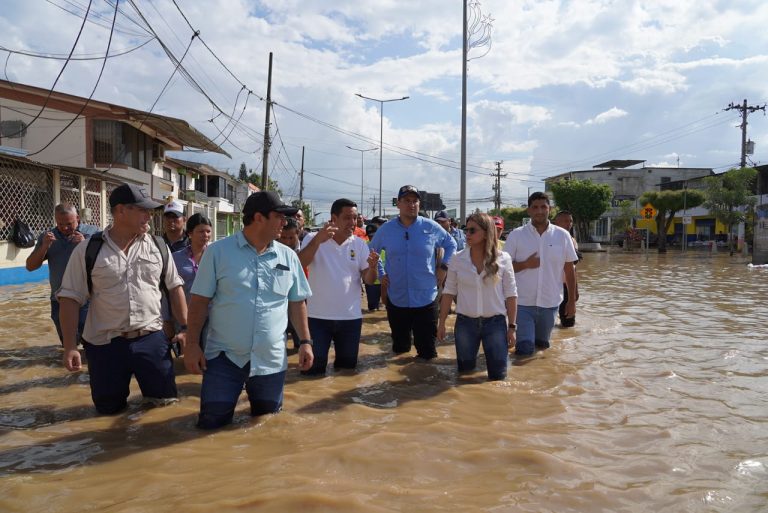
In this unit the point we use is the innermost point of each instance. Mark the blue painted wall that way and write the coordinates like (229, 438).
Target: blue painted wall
(18, 275)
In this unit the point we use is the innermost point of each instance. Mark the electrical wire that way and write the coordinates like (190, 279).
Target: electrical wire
(53, 87)
(98, 79)
(81, 57)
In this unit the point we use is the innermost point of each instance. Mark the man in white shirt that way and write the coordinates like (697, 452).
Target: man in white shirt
(336, 260)
(542, 254)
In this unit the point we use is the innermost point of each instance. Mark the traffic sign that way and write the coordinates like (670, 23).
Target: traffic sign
(648, 212)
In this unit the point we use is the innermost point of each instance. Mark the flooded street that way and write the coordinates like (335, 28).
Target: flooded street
(656, 401)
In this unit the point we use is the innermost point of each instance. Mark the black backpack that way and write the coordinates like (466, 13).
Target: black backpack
(21, 235)
(94, 246)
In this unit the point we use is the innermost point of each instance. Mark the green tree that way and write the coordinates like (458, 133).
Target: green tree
(513, 216)
(243, 176)
(255, 179)
(585, 200)
(727, 193)
(623, 221)
(667, 204)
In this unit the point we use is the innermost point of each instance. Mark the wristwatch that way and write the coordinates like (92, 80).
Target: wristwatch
(512, 325)
(182, 328)
(306, 341)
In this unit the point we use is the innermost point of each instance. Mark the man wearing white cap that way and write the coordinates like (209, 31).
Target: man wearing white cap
(174, 222)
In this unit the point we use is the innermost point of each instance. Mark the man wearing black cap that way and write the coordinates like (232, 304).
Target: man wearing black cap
(123, 331)
(444, 221)
(411, 244)
(254, 284)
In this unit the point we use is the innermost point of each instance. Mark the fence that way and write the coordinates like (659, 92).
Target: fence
(26, 193)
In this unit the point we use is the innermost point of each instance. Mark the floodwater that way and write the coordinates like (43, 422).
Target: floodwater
(656, 401)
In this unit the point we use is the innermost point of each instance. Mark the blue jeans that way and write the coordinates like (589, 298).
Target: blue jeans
(346, 342)
(534, 327)
(492, 331)
(111, 366)
(57, 322)
(222, 384)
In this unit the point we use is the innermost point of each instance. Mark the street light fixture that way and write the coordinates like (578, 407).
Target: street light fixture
(361, 173)
(381, 136)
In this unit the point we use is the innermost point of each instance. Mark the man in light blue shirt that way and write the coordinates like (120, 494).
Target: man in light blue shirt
(253, 284)
(411, 243)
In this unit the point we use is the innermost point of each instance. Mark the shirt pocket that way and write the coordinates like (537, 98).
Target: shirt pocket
(148, 270)
(282, 282)
(555, 252)
(107, 275)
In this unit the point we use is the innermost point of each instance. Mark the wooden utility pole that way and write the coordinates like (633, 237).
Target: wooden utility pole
(744, 109)
(301, 180)
(265, 157)
(497, 186)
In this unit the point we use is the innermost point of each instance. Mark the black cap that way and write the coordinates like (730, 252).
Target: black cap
(408, 189)
(442, 215)
(129, 194)
(265, 202)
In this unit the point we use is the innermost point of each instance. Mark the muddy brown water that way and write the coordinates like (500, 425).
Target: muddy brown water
(656, 401)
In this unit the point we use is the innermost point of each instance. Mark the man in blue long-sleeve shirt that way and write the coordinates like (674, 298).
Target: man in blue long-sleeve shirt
(411, 242)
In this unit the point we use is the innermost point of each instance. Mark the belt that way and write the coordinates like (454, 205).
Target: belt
(135, 333)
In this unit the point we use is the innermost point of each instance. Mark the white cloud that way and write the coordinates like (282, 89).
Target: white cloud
(608, 115)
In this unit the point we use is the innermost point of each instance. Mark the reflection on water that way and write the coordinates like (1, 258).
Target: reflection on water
(655, 401)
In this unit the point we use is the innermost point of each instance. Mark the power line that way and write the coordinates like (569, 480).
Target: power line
(50, 92)
(80, 57)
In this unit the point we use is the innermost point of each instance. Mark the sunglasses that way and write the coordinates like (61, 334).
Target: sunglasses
(472, 230)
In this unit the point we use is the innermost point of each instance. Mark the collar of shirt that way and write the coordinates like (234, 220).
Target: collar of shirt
(243, 242)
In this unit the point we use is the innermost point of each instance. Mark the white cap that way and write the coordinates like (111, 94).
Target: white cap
(174, 207)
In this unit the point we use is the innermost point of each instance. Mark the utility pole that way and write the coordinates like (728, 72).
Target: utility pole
(744, 109)
(265, 157)
(497, 186)
(301, 180)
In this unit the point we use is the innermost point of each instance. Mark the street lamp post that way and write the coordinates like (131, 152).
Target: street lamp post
(381, 135)
(362, 180)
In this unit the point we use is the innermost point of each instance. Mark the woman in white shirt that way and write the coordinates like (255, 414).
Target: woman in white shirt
(482, 281)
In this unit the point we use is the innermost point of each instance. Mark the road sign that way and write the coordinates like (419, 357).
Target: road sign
(648, 212)
(687, 219)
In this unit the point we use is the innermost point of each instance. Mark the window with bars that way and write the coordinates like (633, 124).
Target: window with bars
(26, 193)
(119, 143)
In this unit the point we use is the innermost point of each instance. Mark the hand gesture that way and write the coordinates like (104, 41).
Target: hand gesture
(373, 259)
(76, 237)
(49, 239)
(327, 232)
(532, 262)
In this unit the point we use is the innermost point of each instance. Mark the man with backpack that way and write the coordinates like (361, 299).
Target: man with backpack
(123, 271)
(56, 246)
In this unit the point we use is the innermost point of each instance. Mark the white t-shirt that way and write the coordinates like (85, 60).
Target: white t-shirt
(334, 277)
(543, 286)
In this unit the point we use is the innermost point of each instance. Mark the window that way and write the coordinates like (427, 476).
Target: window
(182, 182)
(13, 129)
(167, 173)
(217, 187)
(119, 143)
(200, 183)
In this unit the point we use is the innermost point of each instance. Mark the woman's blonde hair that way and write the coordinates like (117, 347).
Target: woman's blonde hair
(491, 247)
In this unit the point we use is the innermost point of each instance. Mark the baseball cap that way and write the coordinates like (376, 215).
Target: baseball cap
(498, 222)
(442, 215)
(175, 208)
(264, 202)
(408, 189)
(129, 194)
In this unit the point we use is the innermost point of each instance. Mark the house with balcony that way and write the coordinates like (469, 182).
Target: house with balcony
(212, 192)
(58, 147)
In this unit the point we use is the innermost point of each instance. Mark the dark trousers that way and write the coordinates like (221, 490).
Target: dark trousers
(421, 321)
(565, 322)
(373, 293)
(111, 366)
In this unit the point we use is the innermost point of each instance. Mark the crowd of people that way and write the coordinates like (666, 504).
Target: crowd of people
(132, 299)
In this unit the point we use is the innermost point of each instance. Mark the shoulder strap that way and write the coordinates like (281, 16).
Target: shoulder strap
(163, 247)
(91, 252)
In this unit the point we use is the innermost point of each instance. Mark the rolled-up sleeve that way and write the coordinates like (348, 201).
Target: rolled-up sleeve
(300, 289)
(74, 283)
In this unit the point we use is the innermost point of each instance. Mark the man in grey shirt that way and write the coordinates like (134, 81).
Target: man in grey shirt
(56, 246)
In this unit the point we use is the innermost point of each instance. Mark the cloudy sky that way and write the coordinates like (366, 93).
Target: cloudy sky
(564, 85)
